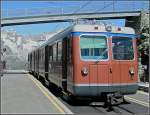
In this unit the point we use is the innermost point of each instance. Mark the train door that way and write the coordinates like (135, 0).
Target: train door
(94, 48)
(64, 64)
(38, 62)
(122, 62)
(46, 61)
(34, 62)
(30, 62)
(99, 78)
(102, 51)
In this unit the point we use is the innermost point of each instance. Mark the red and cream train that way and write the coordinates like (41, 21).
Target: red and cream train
(89, 61)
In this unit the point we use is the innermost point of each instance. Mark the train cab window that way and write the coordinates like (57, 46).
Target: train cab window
(93, 47)
(59, 51)
(54, 52)
(122, 48)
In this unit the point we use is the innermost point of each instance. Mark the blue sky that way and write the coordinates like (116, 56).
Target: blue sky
(67, 6)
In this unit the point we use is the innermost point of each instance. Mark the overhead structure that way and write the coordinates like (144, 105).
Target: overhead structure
(68, 17)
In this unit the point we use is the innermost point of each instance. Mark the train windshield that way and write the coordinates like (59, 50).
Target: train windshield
(122, 48)
(93, 47)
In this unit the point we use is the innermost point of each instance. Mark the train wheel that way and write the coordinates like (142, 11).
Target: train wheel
(41, 79)
(46, 82)
(55, 90)
(66, 96)
(38, 77)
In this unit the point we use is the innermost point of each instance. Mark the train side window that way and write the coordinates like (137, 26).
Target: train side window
(69, 49)
(39, 55)
(59, 51)
(50, 53)
(54, 52)
(43, 55)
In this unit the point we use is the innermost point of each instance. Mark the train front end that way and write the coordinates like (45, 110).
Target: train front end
(104, 61)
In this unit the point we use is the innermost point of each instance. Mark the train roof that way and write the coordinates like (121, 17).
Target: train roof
(85, 28)
(103, 28)
(57, 37)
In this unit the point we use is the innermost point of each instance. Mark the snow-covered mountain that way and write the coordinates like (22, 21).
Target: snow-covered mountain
(15, 47)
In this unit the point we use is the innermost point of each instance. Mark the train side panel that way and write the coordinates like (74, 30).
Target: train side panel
(60, 64)
(55, 69)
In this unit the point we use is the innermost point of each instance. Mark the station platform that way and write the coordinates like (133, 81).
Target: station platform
(23, 94)
(15, 72)
(143, 86)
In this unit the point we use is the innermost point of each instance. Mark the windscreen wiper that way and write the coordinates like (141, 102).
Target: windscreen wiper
(99, 58)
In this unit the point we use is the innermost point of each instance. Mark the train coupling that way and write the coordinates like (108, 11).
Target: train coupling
(114, 99)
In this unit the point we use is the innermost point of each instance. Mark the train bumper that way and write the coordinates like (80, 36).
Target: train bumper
(98, 90)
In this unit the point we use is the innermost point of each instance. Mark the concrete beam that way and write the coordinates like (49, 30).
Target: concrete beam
(133, 22)
(67, 17)
(138, 22)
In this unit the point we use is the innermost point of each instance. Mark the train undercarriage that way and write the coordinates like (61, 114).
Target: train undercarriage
(107, 99)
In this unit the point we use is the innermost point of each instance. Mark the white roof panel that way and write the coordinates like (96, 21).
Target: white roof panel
(101, 28)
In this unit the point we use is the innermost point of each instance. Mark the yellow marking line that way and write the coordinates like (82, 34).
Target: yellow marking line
(137, 101)
(50, 98)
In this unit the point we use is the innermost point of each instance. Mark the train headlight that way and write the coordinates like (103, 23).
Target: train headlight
(108, 28)
(131, 71)
(84, 71)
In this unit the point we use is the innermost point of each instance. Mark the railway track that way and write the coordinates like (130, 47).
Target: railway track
(97, 107)
(115, 109)
(121, 110)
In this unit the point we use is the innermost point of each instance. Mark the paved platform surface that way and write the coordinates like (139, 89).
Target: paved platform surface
(15, 71)
(144, 86)
(140, 97)
(21, 94)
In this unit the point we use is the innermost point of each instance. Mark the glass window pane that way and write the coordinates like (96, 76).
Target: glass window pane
(54, 52)
(122, 48)
(50, 53)
(59, 50)
(93, 47)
